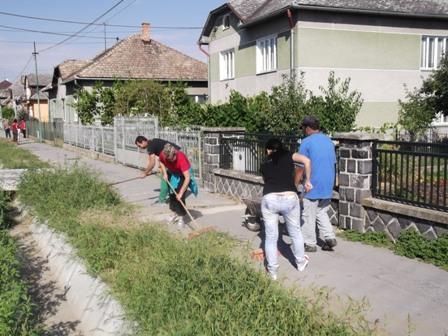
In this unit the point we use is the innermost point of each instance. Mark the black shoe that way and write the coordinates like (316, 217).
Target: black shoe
(310, 248)
(329, 244)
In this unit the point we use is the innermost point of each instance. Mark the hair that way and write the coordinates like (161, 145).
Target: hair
(311, 122)
(276, 146)
(15, 120)
(140, 139)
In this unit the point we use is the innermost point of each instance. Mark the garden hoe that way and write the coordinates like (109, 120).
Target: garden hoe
(124, 181)
(192, 224)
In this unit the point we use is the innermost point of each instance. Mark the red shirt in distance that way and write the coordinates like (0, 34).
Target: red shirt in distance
(179, 166)
(22, 124)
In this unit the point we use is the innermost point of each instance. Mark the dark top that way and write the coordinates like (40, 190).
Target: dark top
(156, 146)
(278, 177)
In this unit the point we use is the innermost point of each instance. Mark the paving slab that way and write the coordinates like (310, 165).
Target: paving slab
(406, 296)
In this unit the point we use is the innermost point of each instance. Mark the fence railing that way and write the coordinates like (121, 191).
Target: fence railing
(119, 140)
(411, 172)
(246, 152)
(46, 130)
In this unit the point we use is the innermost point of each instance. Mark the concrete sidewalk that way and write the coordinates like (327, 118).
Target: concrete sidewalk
(406, 296)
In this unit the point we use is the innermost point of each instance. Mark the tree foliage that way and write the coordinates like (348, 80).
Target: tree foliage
(422, 105)
(7, 113)
(278, 112)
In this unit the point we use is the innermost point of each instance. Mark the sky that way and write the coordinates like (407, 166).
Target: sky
(16, 46)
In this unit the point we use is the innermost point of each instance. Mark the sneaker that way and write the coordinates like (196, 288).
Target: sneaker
(310, 248)
(180, 223)
(329, 244)
(172, 219)
(301, 265)
(273, 276)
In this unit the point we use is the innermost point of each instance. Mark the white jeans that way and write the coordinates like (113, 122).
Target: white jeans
(316, 212)
(287, 205)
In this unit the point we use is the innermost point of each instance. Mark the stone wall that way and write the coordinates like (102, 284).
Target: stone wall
(353, 208)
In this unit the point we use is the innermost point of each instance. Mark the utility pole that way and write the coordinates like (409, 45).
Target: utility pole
(105, 45)
(39, 136)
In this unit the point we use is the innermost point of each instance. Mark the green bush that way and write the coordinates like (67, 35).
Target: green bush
(169, 286)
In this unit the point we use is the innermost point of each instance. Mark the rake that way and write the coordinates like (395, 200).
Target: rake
(124, 181)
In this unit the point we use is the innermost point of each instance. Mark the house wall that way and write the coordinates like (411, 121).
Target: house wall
(380, 55)
(43, 111)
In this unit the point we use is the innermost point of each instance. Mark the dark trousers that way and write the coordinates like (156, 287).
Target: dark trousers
(174, 203)
(8, 133)
(15, 136)
(24, 133)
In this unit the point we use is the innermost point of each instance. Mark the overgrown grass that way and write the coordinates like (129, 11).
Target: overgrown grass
(409, 244)
(170, 286)
(14, 157)
(16, 309)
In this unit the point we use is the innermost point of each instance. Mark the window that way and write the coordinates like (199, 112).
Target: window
(227, 64)
(433, 49)
(267, 55)
(226, 21)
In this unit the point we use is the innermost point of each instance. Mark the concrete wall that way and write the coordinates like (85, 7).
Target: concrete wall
(380, 54)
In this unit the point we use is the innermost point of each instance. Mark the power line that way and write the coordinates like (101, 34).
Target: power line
(84, 28)
(24, 69)
(49, 32)
(45, 42)
(96, 24)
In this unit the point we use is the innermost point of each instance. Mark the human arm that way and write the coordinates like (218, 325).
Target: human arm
(149, 166)
(163, 171)
(299, 158)
(183, 188)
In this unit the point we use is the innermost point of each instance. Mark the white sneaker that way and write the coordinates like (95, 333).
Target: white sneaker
(172, 219)
(301, 265)
(180, 223)
(273, 276)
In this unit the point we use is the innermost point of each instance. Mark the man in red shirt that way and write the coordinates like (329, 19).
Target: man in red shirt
(15, 130)
(178, 165)
(22, 127)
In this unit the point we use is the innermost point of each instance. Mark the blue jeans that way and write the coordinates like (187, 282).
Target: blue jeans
(287, 205)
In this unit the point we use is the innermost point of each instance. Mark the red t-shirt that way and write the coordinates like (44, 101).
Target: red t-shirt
(22, 125)
(180, 165)
(14, 126)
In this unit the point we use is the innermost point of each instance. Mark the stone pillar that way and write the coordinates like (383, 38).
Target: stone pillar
(355, 177)
(211, 159)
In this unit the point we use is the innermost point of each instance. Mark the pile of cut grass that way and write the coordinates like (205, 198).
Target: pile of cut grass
(14, 157)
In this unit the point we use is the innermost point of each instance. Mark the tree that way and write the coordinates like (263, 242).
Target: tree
(8, 113)
(85, 105)
(422, 105)
(337, 106)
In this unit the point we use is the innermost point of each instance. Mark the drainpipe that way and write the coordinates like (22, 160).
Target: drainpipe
(291, 42)
(208, 69)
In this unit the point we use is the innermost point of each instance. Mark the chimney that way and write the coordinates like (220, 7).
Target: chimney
(145, 32)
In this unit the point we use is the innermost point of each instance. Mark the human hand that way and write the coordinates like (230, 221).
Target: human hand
(179, 196)
(142, 175)
(165, 177)
(308, 186)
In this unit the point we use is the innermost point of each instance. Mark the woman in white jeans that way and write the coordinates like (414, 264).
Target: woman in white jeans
(280, 198)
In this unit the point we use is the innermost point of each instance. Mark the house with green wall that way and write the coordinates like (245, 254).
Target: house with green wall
(384, 46)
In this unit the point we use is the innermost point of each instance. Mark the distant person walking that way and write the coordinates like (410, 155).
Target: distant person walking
(15, 131)
(7, 129)
(154, 147)
(22, 127)
(321, 151)
(280, 198)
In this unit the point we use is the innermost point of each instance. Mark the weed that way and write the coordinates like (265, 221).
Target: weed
(167, 285)
(16, 309)
(410, 244)
(13, 157)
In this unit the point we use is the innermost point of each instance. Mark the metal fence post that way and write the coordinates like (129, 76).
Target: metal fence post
(115, 139)
(374, 167)
(200, 153)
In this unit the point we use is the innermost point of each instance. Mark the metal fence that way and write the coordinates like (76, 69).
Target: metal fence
(46, 130)
(246, 152)
(119, 140)
(411, 172)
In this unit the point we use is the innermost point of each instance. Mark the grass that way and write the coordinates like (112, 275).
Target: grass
(16, 309)
(409, 244)
(170, 286)
(14, 157)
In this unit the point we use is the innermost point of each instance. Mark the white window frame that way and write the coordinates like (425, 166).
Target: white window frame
(227, 64)
(440, 120)
(425, 53)
(224, 18)
(267, 54)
